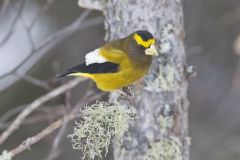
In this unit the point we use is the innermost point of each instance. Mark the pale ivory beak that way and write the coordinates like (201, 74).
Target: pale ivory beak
(152, 51)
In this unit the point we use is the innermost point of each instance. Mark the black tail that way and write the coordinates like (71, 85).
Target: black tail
(106, 67)
(73, 69)
(63, 74)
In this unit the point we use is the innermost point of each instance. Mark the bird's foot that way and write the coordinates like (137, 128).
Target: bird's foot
(127, 91)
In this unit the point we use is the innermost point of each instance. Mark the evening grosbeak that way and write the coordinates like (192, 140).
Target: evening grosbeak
(119, 63)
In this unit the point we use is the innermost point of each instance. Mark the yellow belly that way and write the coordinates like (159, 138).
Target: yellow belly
(112, 81)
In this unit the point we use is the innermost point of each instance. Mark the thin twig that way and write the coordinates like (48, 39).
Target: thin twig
(58, 37)
(38, 118)
(13, 23)
(25, 145)
(33, 120)
(10, 113)
(35, 81)
(57, 140)
(15, 110)
(46, 6)
(28, 32)
(34, 105)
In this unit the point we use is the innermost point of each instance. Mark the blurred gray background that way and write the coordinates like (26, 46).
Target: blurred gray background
(28, 56)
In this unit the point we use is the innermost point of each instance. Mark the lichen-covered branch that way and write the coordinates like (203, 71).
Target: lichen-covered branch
(161, 132)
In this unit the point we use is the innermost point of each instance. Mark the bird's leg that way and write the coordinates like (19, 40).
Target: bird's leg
(127, 91)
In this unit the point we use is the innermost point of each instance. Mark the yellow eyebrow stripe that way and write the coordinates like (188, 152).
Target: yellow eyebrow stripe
(140, 41)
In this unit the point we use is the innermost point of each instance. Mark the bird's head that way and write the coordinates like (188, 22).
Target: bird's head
(145, 41)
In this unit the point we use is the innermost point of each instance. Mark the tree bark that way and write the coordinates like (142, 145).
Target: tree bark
(161, 131)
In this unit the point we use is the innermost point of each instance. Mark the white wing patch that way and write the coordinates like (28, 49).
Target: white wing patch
(94, 57)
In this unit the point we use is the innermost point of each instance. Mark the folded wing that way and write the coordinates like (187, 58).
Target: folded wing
(94, 68)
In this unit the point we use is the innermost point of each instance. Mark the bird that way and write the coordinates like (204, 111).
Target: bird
(119, 63)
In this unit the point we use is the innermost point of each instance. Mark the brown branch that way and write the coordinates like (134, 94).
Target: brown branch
(25, 145)
(34, 105)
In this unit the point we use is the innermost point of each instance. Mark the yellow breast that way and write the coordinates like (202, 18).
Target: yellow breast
(112, 81)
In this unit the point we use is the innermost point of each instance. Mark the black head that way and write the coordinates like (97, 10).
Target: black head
(143, 38)
(145, 35)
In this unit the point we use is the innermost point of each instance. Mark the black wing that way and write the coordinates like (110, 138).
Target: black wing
(95, 68)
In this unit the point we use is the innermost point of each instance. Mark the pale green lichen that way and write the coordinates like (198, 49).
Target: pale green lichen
(166, 149)
(101, 122)
(164, 80)
(165, 47)
(165, 123)
(6, 155)
(165, 41)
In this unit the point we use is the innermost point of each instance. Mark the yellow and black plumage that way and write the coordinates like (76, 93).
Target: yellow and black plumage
(119, 63)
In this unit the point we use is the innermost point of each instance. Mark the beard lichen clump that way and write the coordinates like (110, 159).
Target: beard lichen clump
(101, 123)
(6, 155)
